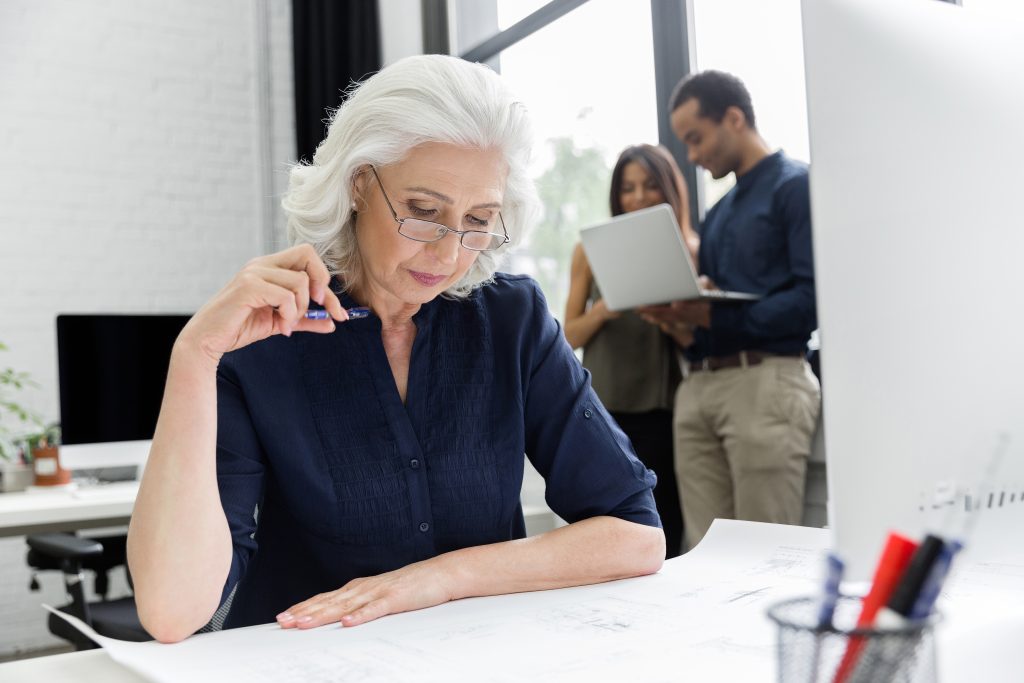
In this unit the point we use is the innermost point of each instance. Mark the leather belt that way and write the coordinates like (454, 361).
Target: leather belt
(743, 359)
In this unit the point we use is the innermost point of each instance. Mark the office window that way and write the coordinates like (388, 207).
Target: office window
(588, 80)
(512, 11)
(759, 41)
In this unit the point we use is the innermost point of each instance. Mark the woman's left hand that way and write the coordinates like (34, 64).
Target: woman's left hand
(682, 333)
(419, 585)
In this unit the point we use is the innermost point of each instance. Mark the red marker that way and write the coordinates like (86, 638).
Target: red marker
(891, 566)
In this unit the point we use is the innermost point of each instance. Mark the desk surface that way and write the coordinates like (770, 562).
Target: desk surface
(62, 510)
(959, 662)
(91, 666)
(698, 619)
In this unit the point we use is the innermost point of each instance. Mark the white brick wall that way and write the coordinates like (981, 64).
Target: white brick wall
(139, 141)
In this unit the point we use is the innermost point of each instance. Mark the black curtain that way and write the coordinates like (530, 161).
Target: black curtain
(335, 42)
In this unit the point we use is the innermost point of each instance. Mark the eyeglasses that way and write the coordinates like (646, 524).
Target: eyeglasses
(428, 231)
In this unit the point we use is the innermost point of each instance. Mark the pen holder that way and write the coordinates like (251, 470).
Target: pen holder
(842, 653)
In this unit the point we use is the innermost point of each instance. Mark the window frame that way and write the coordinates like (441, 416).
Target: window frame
(674, 57)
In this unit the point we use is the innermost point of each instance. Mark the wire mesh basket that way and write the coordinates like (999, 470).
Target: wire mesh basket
(842, 653)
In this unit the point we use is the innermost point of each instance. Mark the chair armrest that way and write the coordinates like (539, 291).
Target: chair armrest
(64, 546)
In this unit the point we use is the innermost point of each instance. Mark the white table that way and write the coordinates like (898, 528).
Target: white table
(958, 662)
(705, 638)
(88, 507)
(91, 666)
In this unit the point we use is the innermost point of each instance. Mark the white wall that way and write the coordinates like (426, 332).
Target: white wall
(132, 138)
(401, 29)
(140, 145)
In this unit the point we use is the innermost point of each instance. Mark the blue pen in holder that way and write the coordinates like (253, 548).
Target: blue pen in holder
(810, 653)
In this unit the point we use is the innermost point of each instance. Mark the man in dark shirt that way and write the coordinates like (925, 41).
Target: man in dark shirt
(746, 413)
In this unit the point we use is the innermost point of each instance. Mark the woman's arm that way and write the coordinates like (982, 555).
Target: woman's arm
(582, 324)
(179, 543)
(590, 551)
(179, 546)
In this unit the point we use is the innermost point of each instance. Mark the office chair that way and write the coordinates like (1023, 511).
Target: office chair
(71, 555)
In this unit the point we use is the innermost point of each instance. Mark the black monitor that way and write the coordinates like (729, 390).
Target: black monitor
(112, 369)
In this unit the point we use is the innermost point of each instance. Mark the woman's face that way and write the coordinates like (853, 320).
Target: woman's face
(639, 190)
(459, 187)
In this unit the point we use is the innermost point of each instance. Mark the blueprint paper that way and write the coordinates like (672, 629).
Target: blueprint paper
(701, 616)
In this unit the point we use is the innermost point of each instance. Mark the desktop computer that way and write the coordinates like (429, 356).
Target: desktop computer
(916, 128)
(111, 375)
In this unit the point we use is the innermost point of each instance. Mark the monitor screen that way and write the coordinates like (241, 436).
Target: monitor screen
(915, 115)
(112, 370)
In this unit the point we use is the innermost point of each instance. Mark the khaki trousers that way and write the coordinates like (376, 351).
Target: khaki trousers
(742, 438)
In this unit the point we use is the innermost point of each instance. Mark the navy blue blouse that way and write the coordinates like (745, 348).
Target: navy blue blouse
(326, 476)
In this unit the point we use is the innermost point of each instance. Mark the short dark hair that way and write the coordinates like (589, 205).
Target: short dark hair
(715, 91)
(662, 169)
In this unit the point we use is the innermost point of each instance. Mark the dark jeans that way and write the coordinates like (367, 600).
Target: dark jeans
(651, 434)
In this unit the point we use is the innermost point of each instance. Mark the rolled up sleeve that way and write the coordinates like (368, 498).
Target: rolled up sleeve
(587, 462)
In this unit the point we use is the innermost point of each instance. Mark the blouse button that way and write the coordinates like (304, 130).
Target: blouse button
(587, 414)
(424, 527)
(414, 463)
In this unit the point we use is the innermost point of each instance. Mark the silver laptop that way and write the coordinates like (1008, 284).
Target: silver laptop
(639, 259)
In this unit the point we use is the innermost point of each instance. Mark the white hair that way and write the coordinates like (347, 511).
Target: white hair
(426, 98)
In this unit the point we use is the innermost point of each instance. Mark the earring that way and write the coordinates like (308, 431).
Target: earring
(354, 207)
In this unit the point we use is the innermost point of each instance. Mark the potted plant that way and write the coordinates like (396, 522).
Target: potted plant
(15, 420)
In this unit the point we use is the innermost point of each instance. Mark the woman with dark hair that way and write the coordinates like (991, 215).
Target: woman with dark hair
(632, 362)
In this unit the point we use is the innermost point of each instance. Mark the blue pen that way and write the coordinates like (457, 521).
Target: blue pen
(929, 594)
(829, 597)
(353, 313)
(830, 594)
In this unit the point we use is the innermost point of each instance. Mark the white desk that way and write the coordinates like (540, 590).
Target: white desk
(698, 619)
(87, 507)
(92, 666)
(959, 662)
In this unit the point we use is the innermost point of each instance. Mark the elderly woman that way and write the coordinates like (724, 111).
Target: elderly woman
(373, 466)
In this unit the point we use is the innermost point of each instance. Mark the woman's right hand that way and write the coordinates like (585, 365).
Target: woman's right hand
(270, 295)
(600, 309)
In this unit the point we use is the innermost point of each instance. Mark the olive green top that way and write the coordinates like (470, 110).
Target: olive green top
(632, 363)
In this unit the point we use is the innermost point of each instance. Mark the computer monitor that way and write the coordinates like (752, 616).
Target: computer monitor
(111, 375)
(916, 121)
